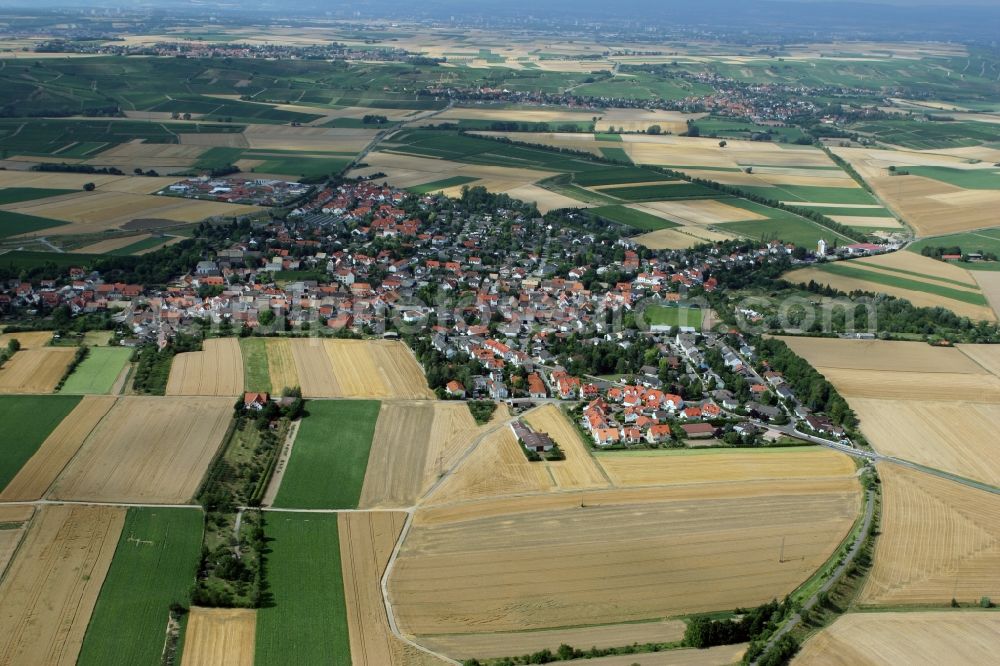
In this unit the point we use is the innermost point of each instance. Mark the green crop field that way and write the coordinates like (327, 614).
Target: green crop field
(11, 195)
(970, 179)
(985, 240)
(660, 315)
(604, 136)
(306, 623)
(633, 218)
(154, 566)
(840, 268)
(256, 376)
(682, 190)
(737, 128)
(98, 372)
(28, 420)
(797, 193)
(617, 154)
(454, 181)
(617, 174)
(329, 456)
(153, 242)
(830, 211)
(787, 228)
(922, 135)
(13, 224)
(19, 260)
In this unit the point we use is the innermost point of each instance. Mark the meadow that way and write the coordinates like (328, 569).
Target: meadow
(307, 593)
(158, 553)
(98, 371)
(330, 455)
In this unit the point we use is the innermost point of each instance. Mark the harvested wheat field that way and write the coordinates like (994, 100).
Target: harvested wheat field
(694, 152)
(35, 370)
(281, 364)
(679, 239)
(147, 449)
(697, 211)
(358, 369)
(989, 284)
(28, 339)
(34, 478)
(892, 356)
(918, 266)
(956, 437)
(929, 638)
(930, 206)
(220, 637)
(16, 524)
(579, 469)
(639, 120)
(944, 386)
(414, 443)
(94, 212)
(496, 467)
(563, 561)
(366, 543)
(52, 585)
(939, 540)
(217, 370)
(725, 465)
(111, 244)
(987, 357)
(914, 292)
(307, 139)
(479, 646)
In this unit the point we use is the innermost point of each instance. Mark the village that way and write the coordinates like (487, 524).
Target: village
(500, 295)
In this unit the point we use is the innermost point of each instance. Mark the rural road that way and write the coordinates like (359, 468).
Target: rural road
(859, 541)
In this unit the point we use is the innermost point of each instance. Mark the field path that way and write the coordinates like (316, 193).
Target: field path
(281, 465)
(834, 576)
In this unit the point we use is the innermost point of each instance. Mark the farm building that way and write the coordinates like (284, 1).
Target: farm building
(533, 441)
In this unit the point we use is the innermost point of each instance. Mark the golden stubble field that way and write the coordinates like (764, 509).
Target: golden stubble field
(147, 449)
(931, 405)
(939, 540)
(35, 370)
(51, 587)
(220, 637)
(414, 443)
(579, 469)
(103, 209)
(877, 639)
(366, 543)
(33, 480)
(916, 268)
(500, 550)
(215, 371)
(930, 206)
(358, 369)
(473, 568)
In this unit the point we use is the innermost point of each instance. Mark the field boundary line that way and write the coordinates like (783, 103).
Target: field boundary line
(20, 542)
(76, 453)
(384, 583)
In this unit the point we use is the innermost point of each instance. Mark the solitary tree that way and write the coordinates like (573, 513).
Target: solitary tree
(722, 144)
